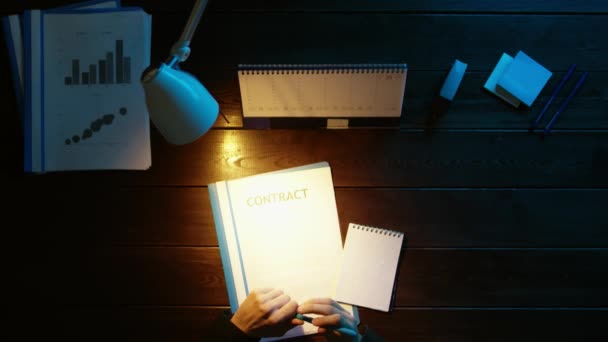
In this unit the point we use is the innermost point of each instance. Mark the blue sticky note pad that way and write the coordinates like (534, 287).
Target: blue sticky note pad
(524, 78)
(504, 62)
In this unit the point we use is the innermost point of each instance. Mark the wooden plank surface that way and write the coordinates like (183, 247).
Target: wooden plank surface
(449, 218)
(417, 39)
(507, 234)
(556, 41)
(428, 277)
(367, 158)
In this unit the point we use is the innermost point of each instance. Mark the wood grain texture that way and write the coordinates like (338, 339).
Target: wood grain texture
(420, 40)
(506, 232)
(367, 158)
(427, 277)
(451, 218)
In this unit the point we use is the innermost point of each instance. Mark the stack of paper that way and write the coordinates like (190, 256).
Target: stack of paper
(76, 75)
(518, 80)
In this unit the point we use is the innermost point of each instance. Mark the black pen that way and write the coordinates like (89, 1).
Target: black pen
(345, 331)
(580, 82)
(557, 89)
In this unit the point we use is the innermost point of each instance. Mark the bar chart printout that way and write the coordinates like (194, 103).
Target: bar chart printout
(90, 112)
(114, 68)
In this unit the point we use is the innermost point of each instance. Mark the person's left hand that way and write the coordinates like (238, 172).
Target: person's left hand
(266, 313)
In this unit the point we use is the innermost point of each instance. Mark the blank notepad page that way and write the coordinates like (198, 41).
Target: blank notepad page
(369, 266)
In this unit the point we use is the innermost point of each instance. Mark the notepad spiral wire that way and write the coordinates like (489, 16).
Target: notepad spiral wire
(377, 230)
(297, 69)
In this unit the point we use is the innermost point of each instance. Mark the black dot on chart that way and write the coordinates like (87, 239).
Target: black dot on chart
(108, 118)
(87, 134)
(96, 125)
(75, 138)
(68, 141)
(123, 111)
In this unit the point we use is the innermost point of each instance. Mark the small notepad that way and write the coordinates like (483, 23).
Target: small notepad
(369, 267)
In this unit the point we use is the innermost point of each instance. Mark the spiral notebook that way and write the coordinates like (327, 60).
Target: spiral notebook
(322, 90)
(370, 263)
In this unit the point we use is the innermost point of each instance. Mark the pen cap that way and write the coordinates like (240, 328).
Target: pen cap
(452, 81)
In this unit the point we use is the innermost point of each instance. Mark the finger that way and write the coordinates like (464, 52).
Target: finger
(270, 295)
(286, 312)
(324, 301)
(262, 290)
(296, 321)
(321, 309)
(320, 300)
(331, 320)
(278, 302)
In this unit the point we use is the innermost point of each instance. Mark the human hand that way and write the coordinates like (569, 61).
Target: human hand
(334, 317)
(265, 313)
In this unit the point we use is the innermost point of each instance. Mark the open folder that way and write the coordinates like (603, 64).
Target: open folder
(279, 230)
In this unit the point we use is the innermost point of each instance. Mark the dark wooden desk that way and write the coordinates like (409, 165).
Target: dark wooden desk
(508, 233)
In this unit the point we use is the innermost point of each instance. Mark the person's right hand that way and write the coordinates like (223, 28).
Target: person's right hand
(334, 317)
(266, 313)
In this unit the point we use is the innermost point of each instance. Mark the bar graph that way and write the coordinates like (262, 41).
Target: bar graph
(114, 68)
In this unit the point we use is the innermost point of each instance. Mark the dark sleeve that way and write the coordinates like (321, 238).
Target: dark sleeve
(224, 330)
(369, 335)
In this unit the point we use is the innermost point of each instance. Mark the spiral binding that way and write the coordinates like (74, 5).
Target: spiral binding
(377, 230)
(306, 69)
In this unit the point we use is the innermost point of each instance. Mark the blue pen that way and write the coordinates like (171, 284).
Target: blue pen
(557, 89)
(580, 82)
(345, 331)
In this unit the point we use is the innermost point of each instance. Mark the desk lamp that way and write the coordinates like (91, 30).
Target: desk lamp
(180, 107)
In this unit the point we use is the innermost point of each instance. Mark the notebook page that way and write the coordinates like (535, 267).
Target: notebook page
(369, 266)
(288, 232)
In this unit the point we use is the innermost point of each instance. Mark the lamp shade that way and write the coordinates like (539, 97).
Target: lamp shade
(180, 107)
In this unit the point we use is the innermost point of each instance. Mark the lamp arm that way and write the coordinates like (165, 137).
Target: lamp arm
(180, 51)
